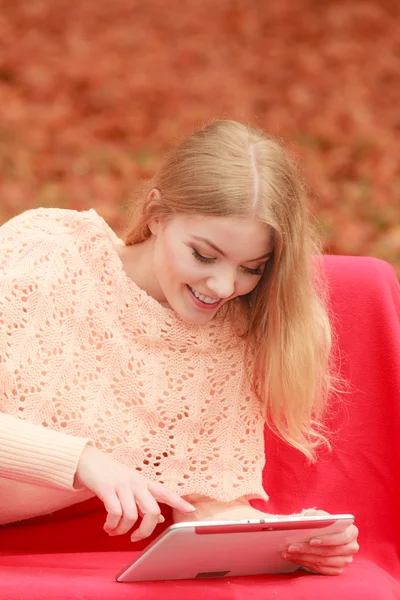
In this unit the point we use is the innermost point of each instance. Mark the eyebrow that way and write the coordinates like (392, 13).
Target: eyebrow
(201, 239)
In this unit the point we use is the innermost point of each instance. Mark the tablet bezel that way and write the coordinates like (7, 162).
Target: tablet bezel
(284, 525)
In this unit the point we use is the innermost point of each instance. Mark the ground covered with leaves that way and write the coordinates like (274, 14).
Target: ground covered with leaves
(92, 93)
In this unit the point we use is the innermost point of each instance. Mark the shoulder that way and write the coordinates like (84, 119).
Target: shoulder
(39, 234)
(55, 226)
(39, 222)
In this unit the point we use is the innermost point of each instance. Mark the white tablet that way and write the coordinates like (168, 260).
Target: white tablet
(207, 549)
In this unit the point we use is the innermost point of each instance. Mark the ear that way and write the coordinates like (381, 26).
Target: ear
(153, 201)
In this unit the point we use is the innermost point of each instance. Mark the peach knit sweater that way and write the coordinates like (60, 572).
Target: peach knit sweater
(86, 356)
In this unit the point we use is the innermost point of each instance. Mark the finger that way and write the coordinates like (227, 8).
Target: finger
(314, 512)
(151, 514)
(167, 496)
(318, 570)
(347, 550)
(337, 562)
(161, 519)
(336, 539)
(321, 570)
(113, 508)
(129, 511)
(309, 569)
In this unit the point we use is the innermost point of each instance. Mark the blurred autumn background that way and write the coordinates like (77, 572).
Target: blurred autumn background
(93, 93)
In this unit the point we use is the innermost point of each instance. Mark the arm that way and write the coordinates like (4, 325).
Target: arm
(38, 455)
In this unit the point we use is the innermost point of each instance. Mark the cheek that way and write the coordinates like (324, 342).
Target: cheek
(173, 263)
(246, 284)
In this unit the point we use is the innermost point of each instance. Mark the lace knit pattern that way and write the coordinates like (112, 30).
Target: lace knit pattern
(86, 352)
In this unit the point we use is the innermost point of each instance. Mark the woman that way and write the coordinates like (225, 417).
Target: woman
(143, 371)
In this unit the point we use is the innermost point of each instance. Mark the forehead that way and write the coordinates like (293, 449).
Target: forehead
(235, 236)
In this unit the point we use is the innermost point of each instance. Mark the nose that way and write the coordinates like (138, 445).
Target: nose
(222, 285)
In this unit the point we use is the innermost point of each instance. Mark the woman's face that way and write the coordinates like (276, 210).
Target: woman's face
(201, 263)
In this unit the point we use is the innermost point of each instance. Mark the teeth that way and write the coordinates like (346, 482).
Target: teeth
(205, 299)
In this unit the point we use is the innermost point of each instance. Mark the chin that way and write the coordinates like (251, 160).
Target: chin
(195, 317)
(190, 314)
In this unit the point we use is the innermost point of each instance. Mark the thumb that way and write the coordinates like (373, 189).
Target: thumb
(313, 512)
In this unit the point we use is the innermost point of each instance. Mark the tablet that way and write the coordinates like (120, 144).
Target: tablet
(208, 549)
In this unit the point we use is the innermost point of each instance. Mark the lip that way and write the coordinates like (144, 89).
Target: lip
(200, 304)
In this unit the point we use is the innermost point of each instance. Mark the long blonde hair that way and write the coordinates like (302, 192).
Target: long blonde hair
(229, 169)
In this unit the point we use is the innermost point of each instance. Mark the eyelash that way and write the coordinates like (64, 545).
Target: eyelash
(208, 261)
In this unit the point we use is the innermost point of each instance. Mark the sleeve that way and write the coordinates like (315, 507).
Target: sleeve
(35, 454)
(30, 452)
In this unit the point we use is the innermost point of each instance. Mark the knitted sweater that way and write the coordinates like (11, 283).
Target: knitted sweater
(86, 356)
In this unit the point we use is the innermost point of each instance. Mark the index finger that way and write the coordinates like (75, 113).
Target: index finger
(167, 496)
(336, 539)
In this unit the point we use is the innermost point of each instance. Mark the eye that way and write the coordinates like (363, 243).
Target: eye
(258, 271)
(202, 258)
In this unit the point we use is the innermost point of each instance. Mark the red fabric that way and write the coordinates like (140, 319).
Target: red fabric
(67, 556)
(91, 576)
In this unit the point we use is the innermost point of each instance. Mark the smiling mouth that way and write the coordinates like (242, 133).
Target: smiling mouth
(203, 301)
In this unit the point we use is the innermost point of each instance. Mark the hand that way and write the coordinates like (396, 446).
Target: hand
(208, 509)
(328, 558)
(330, 555)
(125, 494)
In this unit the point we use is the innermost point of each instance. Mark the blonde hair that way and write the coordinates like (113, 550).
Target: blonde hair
(228, 169)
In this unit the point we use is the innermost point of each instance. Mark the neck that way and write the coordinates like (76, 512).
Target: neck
(138, 265)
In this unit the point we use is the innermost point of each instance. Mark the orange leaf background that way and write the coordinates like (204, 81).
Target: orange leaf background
(93, 93)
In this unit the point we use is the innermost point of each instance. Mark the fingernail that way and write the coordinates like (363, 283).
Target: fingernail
(161, 519)
(315, 542)
(190, 508)
(135, 537)
(294, 548)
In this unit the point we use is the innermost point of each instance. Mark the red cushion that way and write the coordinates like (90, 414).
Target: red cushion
(361, 475)
(92, 575)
